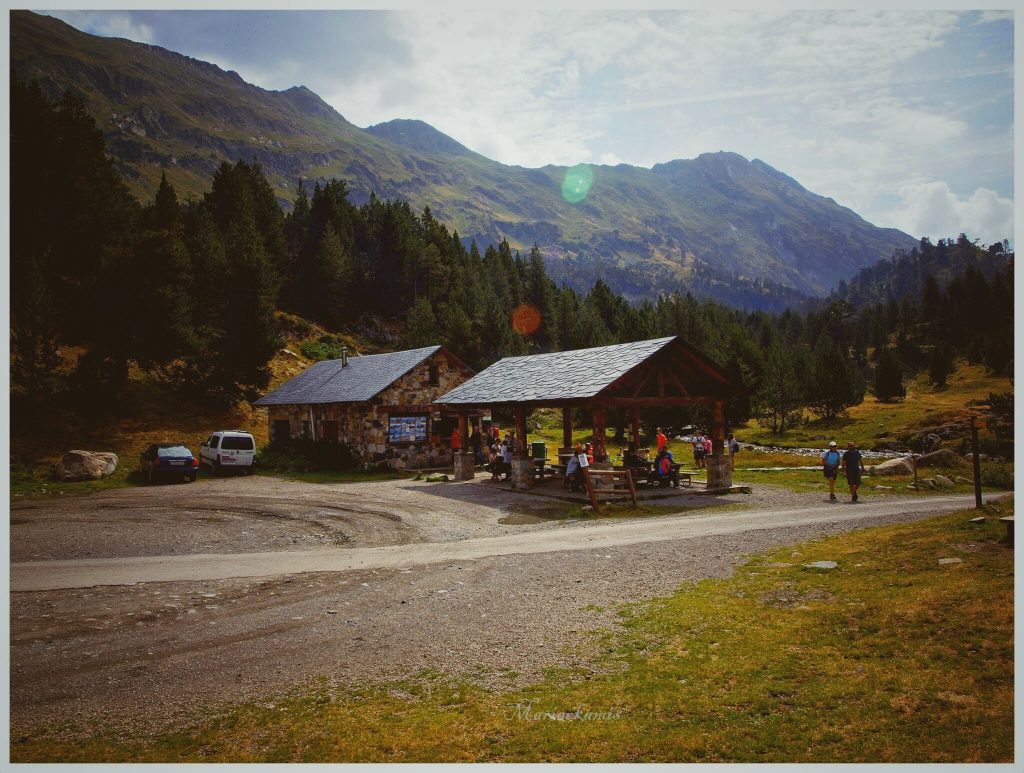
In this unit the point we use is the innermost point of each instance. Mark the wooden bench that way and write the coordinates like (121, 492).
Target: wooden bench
(611, 483)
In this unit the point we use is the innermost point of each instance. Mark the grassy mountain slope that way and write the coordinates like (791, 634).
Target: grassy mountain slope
(162, 110)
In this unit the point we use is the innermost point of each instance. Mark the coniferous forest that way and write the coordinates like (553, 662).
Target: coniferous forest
(188, 290)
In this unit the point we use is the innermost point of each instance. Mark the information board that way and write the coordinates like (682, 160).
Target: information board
(407, 429)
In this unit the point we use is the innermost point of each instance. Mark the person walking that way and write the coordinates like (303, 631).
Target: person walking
(698, 450)
(734, 446)
(661, 440)
(853, 468)
(830, 463)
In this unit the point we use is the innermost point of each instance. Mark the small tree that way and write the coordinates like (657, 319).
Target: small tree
(780, 397)
(834, 383)
(889, 377)
(940, 364)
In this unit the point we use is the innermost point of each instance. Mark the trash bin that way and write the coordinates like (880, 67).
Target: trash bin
(540, 450)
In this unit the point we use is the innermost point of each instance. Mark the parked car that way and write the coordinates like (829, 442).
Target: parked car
(229, 449)
(168, 460)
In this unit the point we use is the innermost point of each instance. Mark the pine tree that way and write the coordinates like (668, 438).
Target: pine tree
(940, 364)
(889, 377)
(834, 383)
(329, 280)
(421, 325)
(780, 396)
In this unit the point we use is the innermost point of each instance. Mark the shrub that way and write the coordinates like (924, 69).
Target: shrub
(997, 475)
(326, 347)
(306, 456)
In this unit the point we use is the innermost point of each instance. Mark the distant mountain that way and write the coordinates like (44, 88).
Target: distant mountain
(719, 223)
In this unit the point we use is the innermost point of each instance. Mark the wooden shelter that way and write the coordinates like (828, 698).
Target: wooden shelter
(660, 372)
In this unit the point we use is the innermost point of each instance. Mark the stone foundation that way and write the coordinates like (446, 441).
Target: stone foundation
(522, 473)
(719, 471)
(464, 464)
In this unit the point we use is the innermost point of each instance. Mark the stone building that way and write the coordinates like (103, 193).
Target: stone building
(380, 405)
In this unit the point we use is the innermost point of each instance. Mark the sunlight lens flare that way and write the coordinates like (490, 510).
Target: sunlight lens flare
(526, 319)
(577, 182)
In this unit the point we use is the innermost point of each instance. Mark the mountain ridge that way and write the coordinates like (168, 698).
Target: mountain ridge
(164, 111)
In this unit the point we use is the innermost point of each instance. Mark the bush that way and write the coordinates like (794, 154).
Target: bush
(326, 347)
(306, 456)
(997, 475)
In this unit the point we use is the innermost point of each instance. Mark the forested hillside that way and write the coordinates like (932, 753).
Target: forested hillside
(188, 289)
(719, 225)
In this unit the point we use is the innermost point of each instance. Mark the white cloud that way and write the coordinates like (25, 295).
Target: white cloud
(932, 209)
(109, 24)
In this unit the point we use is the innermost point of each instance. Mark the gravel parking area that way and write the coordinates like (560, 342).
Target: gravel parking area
(138, 656)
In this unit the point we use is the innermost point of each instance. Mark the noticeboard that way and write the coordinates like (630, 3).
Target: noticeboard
(407, 429)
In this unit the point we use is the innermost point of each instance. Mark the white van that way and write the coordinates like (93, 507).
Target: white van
(229, 449)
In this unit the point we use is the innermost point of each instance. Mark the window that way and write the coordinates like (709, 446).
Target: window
(435, 375)
(237, 443)
(172, 451)
(214, 440)
(407, 429)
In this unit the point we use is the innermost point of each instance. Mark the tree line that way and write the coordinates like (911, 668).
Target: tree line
(189, 289)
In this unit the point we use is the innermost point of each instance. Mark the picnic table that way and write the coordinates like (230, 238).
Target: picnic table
(645, 473)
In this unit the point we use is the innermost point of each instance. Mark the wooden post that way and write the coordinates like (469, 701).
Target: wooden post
(464, 431)
(600, 419)
(634, 422)
(567, 427)
(718, 428)
(520, 414)
(977, 463)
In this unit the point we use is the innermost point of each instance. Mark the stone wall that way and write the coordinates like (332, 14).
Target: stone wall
(364, 426)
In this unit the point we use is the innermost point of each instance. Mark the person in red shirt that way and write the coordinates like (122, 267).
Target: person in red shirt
(662, 440)
(456, 440)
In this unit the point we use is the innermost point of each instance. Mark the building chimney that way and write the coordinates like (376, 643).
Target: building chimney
(344, 356)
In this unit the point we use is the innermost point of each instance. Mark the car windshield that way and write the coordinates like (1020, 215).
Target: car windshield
(237, 443)
(171, 451)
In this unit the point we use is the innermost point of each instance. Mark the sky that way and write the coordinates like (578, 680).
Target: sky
(905, 117)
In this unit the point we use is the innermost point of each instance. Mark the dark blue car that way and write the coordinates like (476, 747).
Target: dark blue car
(168, 461)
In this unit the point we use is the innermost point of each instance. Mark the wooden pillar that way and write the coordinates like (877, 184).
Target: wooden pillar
(464, 430)
(634, 426)
(600, 420)
(718, 428)
(566, 427)
(523, 450)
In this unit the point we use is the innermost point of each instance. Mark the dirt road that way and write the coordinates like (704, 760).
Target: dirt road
(444, 587)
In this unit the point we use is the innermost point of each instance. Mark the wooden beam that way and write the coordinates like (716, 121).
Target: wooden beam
(600, 419)
(634, 425)
(566, 426)
(523, 451)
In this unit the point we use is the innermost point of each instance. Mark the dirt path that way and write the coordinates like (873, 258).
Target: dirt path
(454, 592)
(53, 575)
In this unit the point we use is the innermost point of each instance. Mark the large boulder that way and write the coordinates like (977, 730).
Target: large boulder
(86, 465)
(941, 458)
(903, 465)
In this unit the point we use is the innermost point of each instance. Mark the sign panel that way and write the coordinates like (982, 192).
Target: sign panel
(407, 429)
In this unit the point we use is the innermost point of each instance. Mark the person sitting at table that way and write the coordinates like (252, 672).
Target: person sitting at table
(574, 470)
(590, 453)
(665, 468)
(496, 464)
(631, 457)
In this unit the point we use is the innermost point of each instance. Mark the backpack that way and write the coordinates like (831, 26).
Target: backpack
(665, 466)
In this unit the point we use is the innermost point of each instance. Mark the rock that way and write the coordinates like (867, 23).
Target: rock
(289, 353)
(436, 477)
(962, 479)
(902, 465)
(821, 565)
(941, 458)
(944, 561)
(86, 465)
(970, 458)
(881, 488)
(928, 483)
(943, 482)
(979, 519)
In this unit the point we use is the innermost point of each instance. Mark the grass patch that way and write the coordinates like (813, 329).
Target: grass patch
(890, 657)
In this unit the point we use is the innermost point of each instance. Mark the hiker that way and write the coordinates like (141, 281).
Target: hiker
(830, 463)
(665, 468)
(574, 469)
(853, 468)
(698, 450)
(734, 447)
(661, 440)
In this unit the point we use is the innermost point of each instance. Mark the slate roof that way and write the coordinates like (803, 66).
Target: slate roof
(328, 382)
(576, 374)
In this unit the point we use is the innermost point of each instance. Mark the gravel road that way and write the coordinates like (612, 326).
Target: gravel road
(496, 603)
